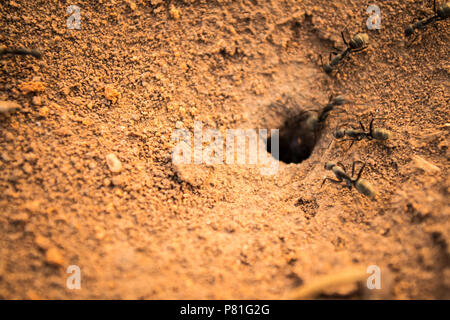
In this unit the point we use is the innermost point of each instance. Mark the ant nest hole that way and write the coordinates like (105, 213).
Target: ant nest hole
(298, 136)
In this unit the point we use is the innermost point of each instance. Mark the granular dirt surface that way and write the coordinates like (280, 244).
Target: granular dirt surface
(87, 178)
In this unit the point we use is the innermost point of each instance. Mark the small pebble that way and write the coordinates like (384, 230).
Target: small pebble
(9, 106)
(106, 182)
(174, 13)
(42, 242)
(112, 94)
(114, 163)
(43, 112)
(9, 136)
(27, 168)
(118, 181)
(20, 217)
(54, 257)
(425, 165)
(37, 100)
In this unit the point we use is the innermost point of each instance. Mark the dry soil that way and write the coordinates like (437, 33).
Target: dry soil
(139, 226)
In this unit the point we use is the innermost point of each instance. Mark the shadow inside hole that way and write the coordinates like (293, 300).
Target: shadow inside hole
(296, 141)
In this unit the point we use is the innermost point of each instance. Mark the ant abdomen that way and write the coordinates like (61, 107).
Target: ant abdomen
(312, 122)
(339, 100)
(381, 134)
(360, 40)
(364, 187)
(444, 11)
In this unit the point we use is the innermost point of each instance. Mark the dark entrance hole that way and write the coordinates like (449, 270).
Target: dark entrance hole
(297, 139)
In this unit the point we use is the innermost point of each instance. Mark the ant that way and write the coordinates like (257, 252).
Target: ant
(441, 13)
(20, 51)
(362, 185)
(358, 43)
(353, 135)
(299, 133)
(313, 121)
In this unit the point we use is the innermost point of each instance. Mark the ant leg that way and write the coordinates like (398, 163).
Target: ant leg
(330, 99)
(434, 6)
(360, 170)
(321, 60)
(354, 164)
(371, 127)
(351, 145)
(331, 56)
(340, 110)
(306, 111)
(330, 143)
(275, 104)
(359, 138)
(353, 140)
(301, 115)
(341, 165)
(335, 135)
(353, 168)
(337, 127)
(331, 180)
(360, 49)
(335, 48)
(362, 126)
(412, 40)
(343, 37)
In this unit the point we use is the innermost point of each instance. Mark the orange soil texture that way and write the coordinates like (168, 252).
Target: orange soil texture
(87, 178)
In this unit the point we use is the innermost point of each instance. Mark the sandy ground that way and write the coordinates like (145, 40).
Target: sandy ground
(149, 229)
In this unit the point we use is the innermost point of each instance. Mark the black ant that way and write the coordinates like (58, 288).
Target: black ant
(311, 125)
(362, 185)
(441, 13)
(299, 133)
(20, 51)
(358, 43)
(353, 134)
(314, 121)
